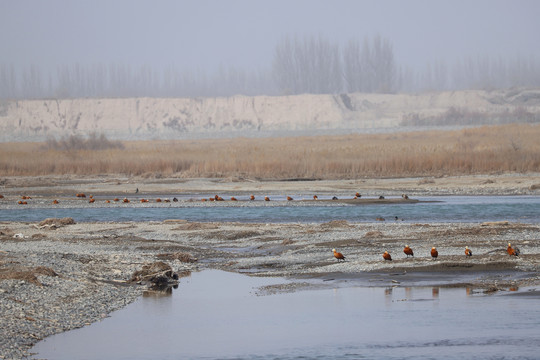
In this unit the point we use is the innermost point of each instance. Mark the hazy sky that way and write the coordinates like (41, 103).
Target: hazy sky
(206, 33)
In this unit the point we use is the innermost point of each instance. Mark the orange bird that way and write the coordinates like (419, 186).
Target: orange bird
(266, 198)
(315, 197)
(91, 200)
(339, 256)
(358, 195)
(408, 251)
(289, 198)
(252, 197)
(468, 251)
(434, 253)
(55, 201)
(233, 198)
(116, 199)
(126, 200)
(512, 251)
(386, 256)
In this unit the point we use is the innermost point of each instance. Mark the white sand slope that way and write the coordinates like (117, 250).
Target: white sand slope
(138, 118)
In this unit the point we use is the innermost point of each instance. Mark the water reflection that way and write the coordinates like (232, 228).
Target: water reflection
(215, 314)
(160, 291)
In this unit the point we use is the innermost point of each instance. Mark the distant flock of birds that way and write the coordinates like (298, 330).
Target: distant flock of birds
(512, 251)
(214, 198)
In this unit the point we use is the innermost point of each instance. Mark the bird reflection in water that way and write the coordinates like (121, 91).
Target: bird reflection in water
(159, 291)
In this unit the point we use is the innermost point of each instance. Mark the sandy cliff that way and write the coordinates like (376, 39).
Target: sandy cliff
(136, 118)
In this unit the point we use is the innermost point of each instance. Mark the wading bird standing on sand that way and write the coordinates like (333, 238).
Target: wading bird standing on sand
(512, 251)
(434, 253)
(408, 251)
(468, 251)
(386, 256)
(339, 256)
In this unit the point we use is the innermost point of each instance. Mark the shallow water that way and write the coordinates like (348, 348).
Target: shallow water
(436, 209)
(214, 314)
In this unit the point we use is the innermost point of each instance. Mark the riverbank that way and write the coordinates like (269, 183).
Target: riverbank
(67, 186)
(56, 275)
(59, 277)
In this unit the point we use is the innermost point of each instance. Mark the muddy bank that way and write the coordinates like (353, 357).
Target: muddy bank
(112, 185)
(59, 277)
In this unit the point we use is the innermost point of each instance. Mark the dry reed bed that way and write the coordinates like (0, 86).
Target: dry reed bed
(487, 149)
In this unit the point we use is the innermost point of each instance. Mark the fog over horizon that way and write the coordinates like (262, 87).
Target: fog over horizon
(63, 48)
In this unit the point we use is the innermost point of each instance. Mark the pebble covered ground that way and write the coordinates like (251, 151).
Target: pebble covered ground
(56, 278)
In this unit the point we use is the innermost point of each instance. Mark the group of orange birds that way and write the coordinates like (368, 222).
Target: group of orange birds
(434, 253)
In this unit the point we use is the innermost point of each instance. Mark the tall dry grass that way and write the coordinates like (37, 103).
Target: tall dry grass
(488, 149)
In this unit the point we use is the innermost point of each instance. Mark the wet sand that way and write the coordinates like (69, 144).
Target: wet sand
(57, 277)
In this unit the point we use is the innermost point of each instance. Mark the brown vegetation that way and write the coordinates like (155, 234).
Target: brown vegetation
(57, 222)
(26, 274)
(482, 150)
(75, 143)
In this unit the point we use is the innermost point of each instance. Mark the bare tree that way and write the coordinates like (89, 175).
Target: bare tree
(310, 65)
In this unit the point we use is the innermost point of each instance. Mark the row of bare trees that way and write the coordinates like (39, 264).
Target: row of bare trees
(300, 65)
(318, 66)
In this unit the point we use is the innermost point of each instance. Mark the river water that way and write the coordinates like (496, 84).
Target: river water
(219, 315)
(431, 209)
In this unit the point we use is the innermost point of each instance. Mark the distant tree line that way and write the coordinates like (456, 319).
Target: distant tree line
(300, 65)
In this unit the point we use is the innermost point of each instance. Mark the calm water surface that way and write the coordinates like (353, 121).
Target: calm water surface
(436, 209)
(215, 314)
